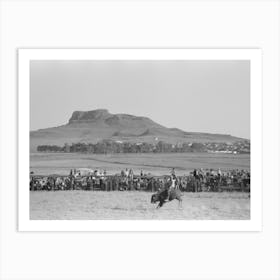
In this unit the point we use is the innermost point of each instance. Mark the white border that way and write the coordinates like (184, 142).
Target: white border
(254, 55)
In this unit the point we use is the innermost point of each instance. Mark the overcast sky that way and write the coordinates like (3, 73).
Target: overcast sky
(201, 96)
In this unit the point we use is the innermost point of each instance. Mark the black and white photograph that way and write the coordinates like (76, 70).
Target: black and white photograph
(139, 140)
(149, 139)
(114, 136)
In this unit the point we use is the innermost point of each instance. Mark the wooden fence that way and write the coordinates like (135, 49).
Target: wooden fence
(120, 183)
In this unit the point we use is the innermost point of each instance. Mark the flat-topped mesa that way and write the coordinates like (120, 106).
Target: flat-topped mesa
(89, 116)
(104, 115)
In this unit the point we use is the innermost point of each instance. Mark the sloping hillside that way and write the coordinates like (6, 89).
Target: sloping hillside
(93, 126)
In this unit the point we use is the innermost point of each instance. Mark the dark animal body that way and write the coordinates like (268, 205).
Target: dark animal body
(162, 195)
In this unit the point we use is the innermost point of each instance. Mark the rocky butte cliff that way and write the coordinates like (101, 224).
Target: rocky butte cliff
(95, 125)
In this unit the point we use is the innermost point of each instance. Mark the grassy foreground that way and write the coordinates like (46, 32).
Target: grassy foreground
(87, 205)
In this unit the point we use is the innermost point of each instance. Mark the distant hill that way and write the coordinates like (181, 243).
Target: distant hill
(96, 125)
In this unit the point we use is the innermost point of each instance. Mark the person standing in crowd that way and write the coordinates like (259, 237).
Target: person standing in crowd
(131, 174)
(219, 175)
(126, 172)
(196, 180)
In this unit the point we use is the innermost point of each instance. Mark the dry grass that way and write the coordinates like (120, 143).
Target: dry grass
(86, 205)
(157, 164)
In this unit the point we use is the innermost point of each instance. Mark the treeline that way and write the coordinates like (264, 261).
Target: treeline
(118, 147)
(110, 147)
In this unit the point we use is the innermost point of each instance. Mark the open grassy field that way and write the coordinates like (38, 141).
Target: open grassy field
(135, 205)
(156, 164)
(87, 205)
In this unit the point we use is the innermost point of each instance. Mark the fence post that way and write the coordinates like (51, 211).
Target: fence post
(132, 185)
(153, 185)
(32, 183)
(53, 185)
